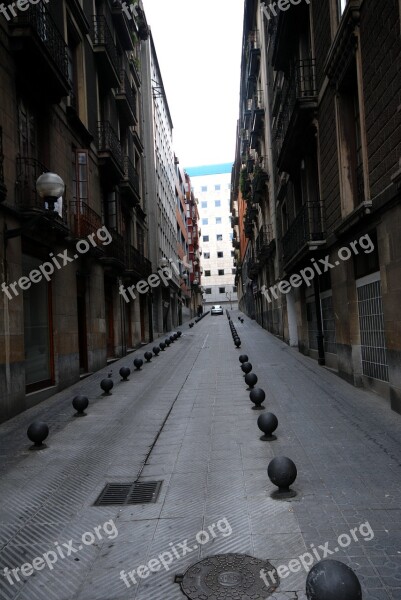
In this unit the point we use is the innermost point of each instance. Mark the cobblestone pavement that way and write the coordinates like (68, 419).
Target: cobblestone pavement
(186, 419)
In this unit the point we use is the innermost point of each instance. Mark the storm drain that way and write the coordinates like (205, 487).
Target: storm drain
(139, 492)
(228, 577)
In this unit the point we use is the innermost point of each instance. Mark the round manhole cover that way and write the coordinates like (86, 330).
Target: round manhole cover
(229, 577)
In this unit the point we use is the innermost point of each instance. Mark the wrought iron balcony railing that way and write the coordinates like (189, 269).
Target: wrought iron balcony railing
(126, 93)
(116, 250)
(265, 237)
(305, 228)
(298, 89)
(27, 199)
(108, 141)
(40, 22)
(137, 262)
(83, 219)
(103, 40)
(131, 175)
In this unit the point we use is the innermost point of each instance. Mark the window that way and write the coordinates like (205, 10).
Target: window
(222, 290)
(205, 221)
(350, 148)
(219, 237)
(208, 290)
(206, 255)
(220, 272)
(203, 204)
(204, 188)
(205, 238)
(207, 273)
(220, 255)
(218, 220)
(217, 187)
(217, 203)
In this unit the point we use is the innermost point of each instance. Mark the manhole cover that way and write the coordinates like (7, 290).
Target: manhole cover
(229, 577)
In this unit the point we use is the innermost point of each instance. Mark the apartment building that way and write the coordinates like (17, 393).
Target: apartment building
(161, 189)
(193, 274)
(212, 186)
(70, 103)
(329, 74)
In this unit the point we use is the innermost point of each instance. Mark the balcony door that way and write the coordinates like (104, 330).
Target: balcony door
(38, 334)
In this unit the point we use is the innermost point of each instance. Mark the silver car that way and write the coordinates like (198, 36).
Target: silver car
(216, 309)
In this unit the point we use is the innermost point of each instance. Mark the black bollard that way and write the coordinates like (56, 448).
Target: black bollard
(282, 472)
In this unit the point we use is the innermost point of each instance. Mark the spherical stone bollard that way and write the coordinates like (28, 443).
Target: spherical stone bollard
(257, 395)
(125, 373)
(237, 342)
(172, 339)
(37, 432)
(148, 356)
(162, 346)
(243, 358)
(138, 362)
(106, 385)
(175, 336)
(282, 472)
(332, 580)
(267, 423)
(246, 367)
(156, 350)
(179, 333)
(251, 380)
(80, 403)
(191, 325)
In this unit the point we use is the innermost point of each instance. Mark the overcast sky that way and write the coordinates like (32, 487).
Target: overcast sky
(198, 44)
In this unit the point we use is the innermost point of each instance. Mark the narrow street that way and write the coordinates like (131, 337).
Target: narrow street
(185, 419)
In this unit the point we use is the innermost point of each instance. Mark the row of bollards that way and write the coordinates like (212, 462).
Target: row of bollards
(328, 579)
(202, 316)
(235, 336)
(38, 430)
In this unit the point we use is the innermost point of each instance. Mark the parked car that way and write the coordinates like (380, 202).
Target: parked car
(216, 309)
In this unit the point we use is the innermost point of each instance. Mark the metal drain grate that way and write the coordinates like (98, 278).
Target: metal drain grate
(140, 492)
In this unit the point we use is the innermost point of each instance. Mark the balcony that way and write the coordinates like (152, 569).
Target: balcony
(83, 219)
(235, 244)
(105, 51)
(251, 86)
(27, 200)
(298, 101)
(265, 242)
(40, 52)
(123, 26)
(109, 151)
(305, 232)
(130, 184)
(253, 267)
(253, 53)
(259, 189)
(126, 100)
(136, 264)
(115, 258)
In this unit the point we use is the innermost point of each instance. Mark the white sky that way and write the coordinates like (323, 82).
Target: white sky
(198, 45)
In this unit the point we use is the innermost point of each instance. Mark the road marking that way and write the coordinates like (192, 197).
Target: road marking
(204, 343)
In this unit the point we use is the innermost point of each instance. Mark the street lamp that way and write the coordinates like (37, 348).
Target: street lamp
(50, 187)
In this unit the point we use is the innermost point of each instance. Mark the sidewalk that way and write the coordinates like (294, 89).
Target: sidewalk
(186, 420)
